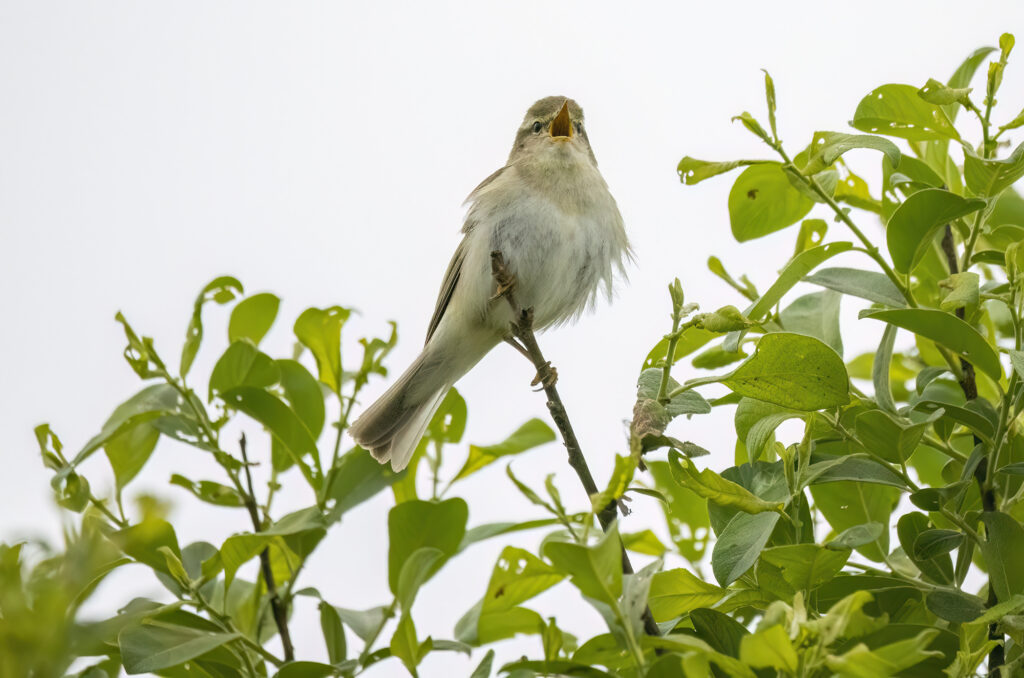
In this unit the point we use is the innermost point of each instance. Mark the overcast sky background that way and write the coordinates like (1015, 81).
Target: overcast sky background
(322, 151)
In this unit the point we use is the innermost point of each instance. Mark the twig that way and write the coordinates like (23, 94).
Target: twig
(969, 386)
(522, 331)
(279, 610)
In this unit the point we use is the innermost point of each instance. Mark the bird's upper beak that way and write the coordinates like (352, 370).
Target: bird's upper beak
(561, 126)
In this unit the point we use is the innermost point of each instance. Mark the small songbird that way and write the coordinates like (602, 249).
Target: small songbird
(549, 212)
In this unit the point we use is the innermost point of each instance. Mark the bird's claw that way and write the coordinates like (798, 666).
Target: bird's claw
(547, 376)
(504, 285)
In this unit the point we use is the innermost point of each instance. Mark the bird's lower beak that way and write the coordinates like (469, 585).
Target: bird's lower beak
(561, 126)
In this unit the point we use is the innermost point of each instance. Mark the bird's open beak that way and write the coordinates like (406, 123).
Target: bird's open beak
(561, 126)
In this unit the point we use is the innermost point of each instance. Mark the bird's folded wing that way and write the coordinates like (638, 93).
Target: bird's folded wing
(451, 279)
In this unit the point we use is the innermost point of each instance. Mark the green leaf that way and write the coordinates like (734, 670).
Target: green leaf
(364, 623)
(1017, 361)
(1003, 549)
(418, 567)
(252, 317)
(964, 292)
(934, 92)
(946, 329)
(889, 660)
(910, 228)
(305, 669)
(855, 536)
(209, 491)
(751, 124)
(717, 489)
(881, 368)
(239, 549)
(144, 407)
(691, 339)
(479, 630)
(889, 437)
(716, 357)
(674, 593)
(356, 478)
(756, 421)
(334, 633)
(319, 330)
(954, 606)
(826, 469)
(221, 290)
(988, 178)
(618, 482)
(798, 267)
(152, 646)
(692, 171)
(806, 566)
(827, 147)
(517, 577)
(406, 647)
(847, 504)
(483, 669)
(792, 370)
(130, 447)
(932, 543)
(725, 319)
(769, 648)
(242, 364)
(414, 524)
(965, 73)
(740, 543)
(143, 540)
(560, 667)
(275, 416)
(303, 393)
(720, 631)
(596, 570)
(937, 567)
(816, 315)
(897, 111)
(645, 542)
(685, 403)
(686, 513)
(868, 285)
(489, 530)
(763, 201)
(533, 433)
(769, 95)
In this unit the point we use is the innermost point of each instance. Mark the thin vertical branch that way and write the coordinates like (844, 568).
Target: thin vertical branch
(277, 607)
(522, 330)
(969, 386)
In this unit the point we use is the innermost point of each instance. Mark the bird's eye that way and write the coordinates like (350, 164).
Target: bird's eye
(537, 127)
(579, 128)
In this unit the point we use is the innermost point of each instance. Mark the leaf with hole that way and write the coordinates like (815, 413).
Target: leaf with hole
(762, 201)
(897, 111)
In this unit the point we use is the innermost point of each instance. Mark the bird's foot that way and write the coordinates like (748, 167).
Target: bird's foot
(547, 376)
(504, 285)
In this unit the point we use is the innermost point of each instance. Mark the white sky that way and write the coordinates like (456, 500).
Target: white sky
(322, 151)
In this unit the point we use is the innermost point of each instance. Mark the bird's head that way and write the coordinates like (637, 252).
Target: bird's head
(552, 125)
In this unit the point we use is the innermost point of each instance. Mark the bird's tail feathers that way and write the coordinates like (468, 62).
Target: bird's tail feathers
(392, 427)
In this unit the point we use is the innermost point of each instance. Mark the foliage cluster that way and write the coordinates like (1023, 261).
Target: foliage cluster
(885, 539)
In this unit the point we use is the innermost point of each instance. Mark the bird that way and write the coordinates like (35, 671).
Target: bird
(550, 214)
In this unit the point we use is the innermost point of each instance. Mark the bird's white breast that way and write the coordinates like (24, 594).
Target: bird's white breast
(559, 231)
